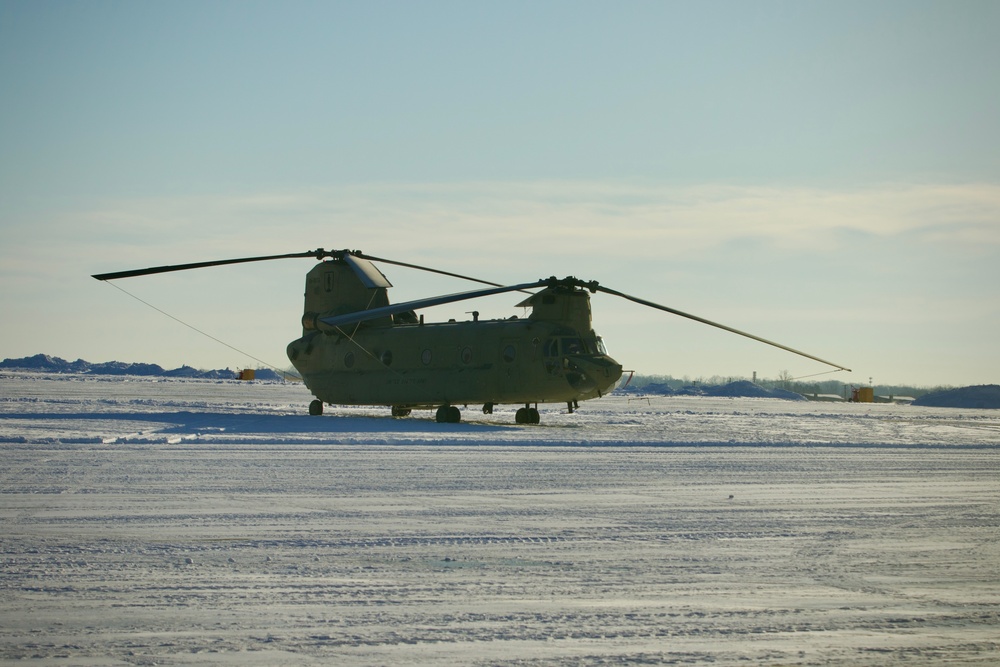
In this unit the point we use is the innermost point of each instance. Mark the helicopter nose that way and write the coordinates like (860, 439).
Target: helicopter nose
(580, 381)
(590, 374)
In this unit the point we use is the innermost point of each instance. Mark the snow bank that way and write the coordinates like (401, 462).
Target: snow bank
(984, 396)
(43, 363)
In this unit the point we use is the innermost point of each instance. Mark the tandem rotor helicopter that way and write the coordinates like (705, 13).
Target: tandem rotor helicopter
(358, 349)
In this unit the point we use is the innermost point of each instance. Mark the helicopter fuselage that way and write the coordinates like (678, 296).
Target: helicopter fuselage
(415, 365)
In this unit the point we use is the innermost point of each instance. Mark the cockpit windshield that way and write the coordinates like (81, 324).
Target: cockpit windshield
(567, 346)
(600, 346)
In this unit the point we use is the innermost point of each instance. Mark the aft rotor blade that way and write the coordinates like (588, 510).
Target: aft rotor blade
(674, 311)
(393, 309)
(424, 268)
(319, 254)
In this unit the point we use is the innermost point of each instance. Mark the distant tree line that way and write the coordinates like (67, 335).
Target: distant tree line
(783, 381)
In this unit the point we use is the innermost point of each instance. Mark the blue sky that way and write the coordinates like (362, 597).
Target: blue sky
(824, 174)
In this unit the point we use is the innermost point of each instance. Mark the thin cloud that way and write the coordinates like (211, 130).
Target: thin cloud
(811, 265)
(556, 218)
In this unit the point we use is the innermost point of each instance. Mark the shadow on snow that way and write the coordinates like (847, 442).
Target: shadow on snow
(185, 422)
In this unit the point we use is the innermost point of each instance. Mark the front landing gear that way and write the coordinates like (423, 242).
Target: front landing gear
(527, 415)
(316, 407)
(448, 414)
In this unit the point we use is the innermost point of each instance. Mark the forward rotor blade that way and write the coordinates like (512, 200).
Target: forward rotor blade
(393, 309)
(674, 311)
(319, 254)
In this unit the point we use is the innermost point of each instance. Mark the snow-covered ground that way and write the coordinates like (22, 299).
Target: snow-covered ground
(193, 522)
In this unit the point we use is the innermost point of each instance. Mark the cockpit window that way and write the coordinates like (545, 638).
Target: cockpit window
(600, 346)
(573, 346)
(551, 348)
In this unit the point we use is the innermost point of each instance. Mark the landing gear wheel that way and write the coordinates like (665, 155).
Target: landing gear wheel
(316, 408)
(448, 414)
(398, 411)
(527, 415)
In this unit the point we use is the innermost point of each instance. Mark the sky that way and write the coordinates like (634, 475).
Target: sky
(821, 174)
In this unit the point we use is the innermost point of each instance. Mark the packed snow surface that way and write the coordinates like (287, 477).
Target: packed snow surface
(195, 522)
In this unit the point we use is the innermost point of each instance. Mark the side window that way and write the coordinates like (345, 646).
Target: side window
(551, 348)
(509, 354)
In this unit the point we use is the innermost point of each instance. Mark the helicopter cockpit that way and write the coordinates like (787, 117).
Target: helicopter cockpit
(573, 346)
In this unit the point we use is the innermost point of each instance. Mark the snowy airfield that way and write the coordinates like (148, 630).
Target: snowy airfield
(203, 522)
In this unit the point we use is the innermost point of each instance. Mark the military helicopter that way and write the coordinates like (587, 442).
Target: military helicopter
(358, 349)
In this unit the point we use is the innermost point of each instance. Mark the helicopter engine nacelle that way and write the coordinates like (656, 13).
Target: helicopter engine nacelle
(312, 322)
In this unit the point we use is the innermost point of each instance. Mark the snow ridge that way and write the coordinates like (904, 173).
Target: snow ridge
(983, 396)
(43, 363)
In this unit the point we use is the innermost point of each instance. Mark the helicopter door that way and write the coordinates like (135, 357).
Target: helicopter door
(510, 365)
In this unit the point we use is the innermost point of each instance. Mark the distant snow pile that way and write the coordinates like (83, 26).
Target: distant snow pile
(43, 363)
(986, 396)
(738, 389)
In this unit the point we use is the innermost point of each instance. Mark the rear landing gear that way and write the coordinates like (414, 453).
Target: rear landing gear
(398, 411)
(527, 415)
(448, 414)
(316, 407)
